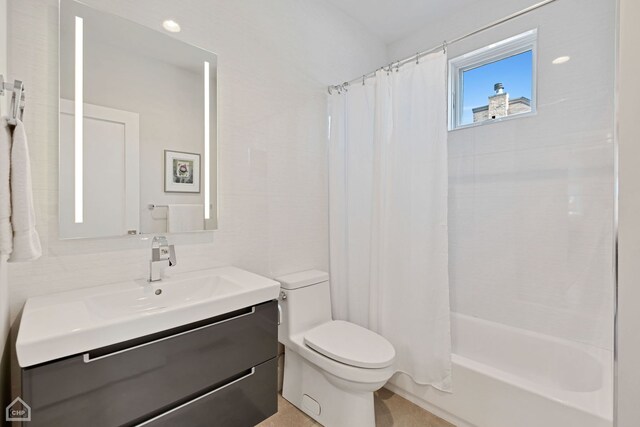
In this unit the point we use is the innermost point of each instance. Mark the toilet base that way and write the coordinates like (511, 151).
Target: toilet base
(308, 388)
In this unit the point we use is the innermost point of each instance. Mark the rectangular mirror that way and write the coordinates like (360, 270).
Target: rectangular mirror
(138, 129)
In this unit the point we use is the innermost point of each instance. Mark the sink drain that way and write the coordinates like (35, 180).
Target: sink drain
(158, 291)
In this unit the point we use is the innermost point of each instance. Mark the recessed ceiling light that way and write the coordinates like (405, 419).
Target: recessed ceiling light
(171, 26)
(561, 60)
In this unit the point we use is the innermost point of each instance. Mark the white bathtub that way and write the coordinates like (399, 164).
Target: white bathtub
(509, 377)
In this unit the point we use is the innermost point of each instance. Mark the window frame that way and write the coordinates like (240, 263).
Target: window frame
(524, 42)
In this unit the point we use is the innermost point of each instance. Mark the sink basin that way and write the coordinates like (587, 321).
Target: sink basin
(160, 296)
(75, 322)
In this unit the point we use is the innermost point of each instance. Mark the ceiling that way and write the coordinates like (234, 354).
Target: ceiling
(392, 20)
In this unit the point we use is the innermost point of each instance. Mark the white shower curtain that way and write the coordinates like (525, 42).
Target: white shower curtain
(388, 214)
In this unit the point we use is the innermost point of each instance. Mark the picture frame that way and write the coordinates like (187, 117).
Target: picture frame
(181, 172)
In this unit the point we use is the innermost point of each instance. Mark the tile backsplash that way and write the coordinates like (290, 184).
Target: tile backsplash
(275, 60)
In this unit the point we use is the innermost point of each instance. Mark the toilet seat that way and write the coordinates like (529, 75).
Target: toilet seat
(350, 344)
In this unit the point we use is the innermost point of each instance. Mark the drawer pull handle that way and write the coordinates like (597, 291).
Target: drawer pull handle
(279, 315)
(86, 357)
(177, 408)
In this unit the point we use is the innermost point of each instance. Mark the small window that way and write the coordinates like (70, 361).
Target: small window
(493, 83)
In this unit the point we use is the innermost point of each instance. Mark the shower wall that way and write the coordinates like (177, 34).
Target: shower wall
(531, 199)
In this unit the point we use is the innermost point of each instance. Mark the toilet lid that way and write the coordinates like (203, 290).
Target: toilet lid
(351, 344)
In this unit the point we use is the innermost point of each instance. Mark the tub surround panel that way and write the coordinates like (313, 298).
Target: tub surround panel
(531, 199)
(275, 61)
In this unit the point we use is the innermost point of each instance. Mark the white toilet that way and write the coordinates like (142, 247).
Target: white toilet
(331, 367)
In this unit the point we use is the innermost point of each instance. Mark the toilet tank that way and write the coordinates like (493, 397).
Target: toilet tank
(307, 303)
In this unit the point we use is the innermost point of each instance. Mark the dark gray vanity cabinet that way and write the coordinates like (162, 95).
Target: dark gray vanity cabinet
(218, 372)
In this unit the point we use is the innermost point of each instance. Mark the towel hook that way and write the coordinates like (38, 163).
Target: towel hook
(16, 109)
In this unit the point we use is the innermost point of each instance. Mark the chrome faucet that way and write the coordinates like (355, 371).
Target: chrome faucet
(162, 255)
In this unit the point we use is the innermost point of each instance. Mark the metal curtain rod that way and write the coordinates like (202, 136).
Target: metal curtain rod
(443, 46)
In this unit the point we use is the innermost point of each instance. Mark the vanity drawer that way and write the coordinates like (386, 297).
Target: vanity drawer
(130, 381)
(243, 401)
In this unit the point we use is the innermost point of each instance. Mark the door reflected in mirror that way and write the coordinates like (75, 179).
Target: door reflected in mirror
(138, 129)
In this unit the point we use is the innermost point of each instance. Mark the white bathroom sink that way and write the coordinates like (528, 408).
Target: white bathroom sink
(74, 322)
(161, 296)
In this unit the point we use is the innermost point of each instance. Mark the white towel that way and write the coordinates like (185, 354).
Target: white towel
(6, 234)
(26, 242)
(181, 218)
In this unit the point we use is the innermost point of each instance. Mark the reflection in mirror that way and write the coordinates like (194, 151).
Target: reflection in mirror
(143, 157)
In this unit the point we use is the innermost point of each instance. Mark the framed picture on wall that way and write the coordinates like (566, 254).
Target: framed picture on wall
(181, 172)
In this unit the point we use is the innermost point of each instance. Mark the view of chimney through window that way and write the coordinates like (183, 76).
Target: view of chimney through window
(499, 105)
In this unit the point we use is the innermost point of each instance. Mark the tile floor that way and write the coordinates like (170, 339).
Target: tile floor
(391, 410)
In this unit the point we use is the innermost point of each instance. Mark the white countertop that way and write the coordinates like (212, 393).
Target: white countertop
(68, 323)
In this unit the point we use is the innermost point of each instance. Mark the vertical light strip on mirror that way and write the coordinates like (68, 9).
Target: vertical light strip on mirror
(78, 122)
(207, 143)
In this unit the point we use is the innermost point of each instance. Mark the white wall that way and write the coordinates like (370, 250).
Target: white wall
(3, 38)
(4, 291)
(628, 378)
(275, 59)
(463, 21)
(531, 199)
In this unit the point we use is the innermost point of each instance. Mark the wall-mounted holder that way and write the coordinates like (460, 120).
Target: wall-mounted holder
(152, 206)
(16, 110)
